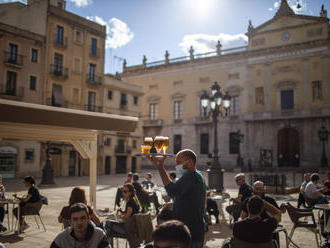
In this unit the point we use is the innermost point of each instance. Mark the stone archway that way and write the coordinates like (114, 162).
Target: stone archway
(288, 152)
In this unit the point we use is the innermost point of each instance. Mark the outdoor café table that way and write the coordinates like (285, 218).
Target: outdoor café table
(13, 202)
(219, 200)
(324, 208)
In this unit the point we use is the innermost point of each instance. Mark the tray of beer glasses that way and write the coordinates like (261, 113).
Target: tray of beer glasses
(160, 143)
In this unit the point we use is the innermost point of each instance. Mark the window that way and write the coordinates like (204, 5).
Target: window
(123, 99)
(233, 143)
(177, 143)
(109, 94)
(107, 142)
(29, 155)
(91, 101)
(92, 71)
(58, 64)
(57, 95)
(234, 105)
(135, 100)
(287, 101)
(59, 35)
(153, 111)
(259, 95)
(317, 90)
(11, 83)
(59, 4)
(33, 82)
(12, 53)
(177, 110)
(134, 144)
(34, 55)
(94, 47)
(204, 143)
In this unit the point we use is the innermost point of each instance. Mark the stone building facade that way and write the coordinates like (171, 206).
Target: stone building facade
(279, 87)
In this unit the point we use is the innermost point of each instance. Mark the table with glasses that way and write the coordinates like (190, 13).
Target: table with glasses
(323, 208)
(13, 203)
(219, 199)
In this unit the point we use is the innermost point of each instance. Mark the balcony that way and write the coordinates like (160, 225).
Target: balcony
(94, 79)
(95, 53)
(200, 120)
(62, 43)
(50, 102)
(152, 123)
(59, 71)
(123, 104)
(120, 149)
(11, 94)
(13, 59)
(93, 108)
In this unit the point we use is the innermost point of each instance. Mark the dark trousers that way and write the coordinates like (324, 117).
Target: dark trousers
(301, 200)
(234, 210)
(2, 214)
(154, 199)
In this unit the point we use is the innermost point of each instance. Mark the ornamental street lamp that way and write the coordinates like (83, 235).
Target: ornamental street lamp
(240, 139)
(323, 136)
(47, 171)
(219, 104)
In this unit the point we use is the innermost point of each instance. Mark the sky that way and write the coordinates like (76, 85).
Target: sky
(150, 27)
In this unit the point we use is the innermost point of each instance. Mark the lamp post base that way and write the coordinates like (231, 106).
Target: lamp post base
(215, 179)
(324, 161)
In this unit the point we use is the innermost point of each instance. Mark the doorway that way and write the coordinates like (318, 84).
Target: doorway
(288, 148)
(107, 165)
(121, 164)
(133, 169)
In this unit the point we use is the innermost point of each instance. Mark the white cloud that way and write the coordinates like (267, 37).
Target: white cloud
(118, 32)
(203, 43)
(11, 1)
(81, 3)
(293, 4)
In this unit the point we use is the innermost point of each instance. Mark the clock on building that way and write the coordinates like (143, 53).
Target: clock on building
(286, 36)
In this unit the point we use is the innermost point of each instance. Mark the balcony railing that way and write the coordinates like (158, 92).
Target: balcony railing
(152, 123)
(59, 71)
(95, 52)
(123, 149)
(49, 102)
(95, 79)
(61, 42)
(202, 120)
(13, 59)
(14, 94)
(123, 105)
(93, 108)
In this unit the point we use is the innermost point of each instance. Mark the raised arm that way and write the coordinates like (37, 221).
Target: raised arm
(159, 164)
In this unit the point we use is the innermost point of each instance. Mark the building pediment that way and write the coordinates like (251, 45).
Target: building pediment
(178, 95)
(234, 90)
(153, 98)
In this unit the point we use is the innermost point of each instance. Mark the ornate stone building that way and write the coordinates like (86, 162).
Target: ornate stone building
(279, 86)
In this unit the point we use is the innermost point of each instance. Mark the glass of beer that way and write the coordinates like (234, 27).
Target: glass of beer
(145, 149)
(166, 142)
(158, 143)
(148, 141)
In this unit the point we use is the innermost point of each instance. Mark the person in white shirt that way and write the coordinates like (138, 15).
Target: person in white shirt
(313, 193)
(2, 209)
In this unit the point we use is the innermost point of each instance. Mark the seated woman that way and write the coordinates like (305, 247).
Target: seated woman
(77, 195)
(132, 207)
(28, 203)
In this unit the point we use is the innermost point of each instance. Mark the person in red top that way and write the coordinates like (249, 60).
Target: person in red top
(129, 178)
(77, 195)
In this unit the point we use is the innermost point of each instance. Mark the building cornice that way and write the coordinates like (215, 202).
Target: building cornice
(5, 28)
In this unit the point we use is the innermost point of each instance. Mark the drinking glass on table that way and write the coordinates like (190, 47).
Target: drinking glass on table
(158, 143)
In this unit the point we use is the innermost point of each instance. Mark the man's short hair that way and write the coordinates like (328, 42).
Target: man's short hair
(315, 177)
(255, 204)
(258, 182)
(165, 215)
(188, 154)
(135, 177)
(173, 231)
(240, 176)
(77, 207)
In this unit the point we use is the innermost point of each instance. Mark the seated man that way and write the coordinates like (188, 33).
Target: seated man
(244, 192)
(212, 207)
(148, 184)
(254, 229)
(313, 193)
(172, 233)
(301, 198)
(81, 233)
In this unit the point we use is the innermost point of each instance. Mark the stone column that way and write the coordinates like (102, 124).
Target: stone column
(251, 99)
(267, 88)
(306, 84)
(325, 80)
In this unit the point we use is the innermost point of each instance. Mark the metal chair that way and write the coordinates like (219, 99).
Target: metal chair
(296, 214)
(33, 211)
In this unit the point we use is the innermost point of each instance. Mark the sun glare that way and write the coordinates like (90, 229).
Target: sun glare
(201, 7)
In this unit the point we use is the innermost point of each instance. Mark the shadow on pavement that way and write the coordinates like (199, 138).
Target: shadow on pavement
(216, 234)
(10, 238)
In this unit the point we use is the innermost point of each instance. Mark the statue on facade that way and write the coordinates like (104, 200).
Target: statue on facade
(191, 53)
(218, 48)
(324, 12)
(124, 64)
(167, 56)
(144, 61)
(250, 27)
